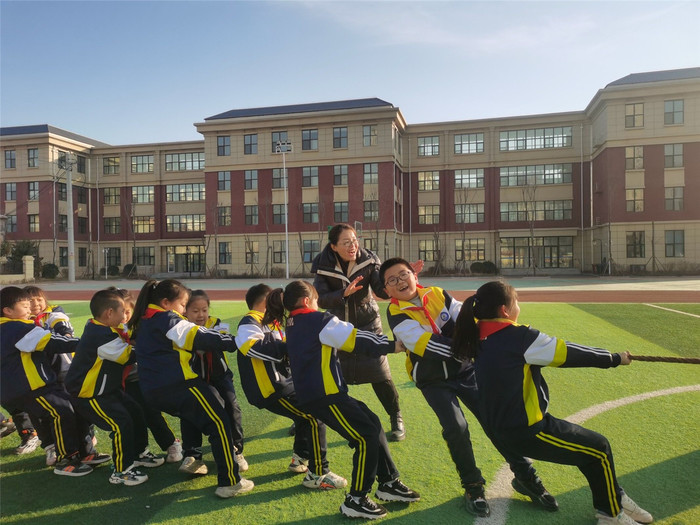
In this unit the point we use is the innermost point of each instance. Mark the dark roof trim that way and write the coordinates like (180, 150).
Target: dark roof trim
(46, 128)
(303, 108)
(657, 76)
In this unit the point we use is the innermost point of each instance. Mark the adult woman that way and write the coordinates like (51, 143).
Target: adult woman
(345, 272)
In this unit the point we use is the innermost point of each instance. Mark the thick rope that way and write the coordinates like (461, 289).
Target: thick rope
(661, 359)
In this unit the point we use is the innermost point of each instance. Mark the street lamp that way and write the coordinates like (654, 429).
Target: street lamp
(106, 250)
(283, 148)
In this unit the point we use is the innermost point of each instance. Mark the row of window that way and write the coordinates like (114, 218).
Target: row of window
(673, 113)
(33, 192)
(674, 244)
(673, 156)
(673, 199)
(144, 163)
(33, 160)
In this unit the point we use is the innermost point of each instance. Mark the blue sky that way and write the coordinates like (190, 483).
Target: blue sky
(134, 72)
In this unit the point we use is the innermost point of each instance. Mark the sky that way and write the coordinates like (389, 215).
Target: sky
(128, 72)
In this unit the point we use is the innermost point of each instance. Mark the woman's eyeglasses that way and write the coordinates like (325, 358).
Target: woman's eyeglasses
(402, 276)
(348, 243)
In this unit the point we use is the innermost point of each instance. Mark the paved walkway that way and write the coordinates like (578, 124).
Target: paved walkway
(547, 289)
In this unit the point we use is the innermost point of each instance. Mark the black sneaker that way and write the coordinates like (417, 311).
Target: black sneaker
(361, 507)
(394, 490)
(476, 501)
(71, 466)
(534, 489)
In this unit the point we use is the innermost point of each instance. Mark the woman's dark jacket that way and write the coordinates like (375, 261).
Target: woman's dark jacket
(360, 308)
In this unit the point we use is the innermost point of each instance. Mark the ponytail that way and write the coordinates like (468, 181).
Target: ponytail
(288, 299)
(275, 308)
(484, 304)
(152, 293)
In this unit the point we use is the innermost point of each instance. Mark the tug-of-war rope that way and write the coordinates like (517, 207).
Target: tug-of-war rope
(661, 359)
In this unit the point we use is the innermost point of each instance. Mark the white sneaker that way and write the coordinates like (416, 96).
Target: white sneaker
(298, 464)
(174, 452)
(30, 441)
(243, 486)
(328, 481)
(242, 463)
(192, 465)
(620, 519)
(129, 477)
(634, 511)
(50, 455)
(148, 459)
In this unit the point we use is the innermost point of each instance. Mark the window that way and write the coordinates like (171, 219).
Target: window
(82, 194)
(110, 196)
(470, 249)
(340, 211)
(250, 179)
(340, 137)
(144, 256)
(674, 198)
(369, 243)
(469, 213)
(252, 252)
(634, 115)
(223, 215)
(310, 250)
(185, 223)
(538, 211)
(114, 256)
(184, 192)
(673, 112)
(635, 245)
(225, 254)
(277, 178)
(251, 214)
(33, 157)
(428, 250)
(472, 178)
(62, 160)
(369, 136)
(635, 199)
(141, 164)
(110, 165)
(112, 225)
(184, 161)
(62, 256)
(63, 223)
(10, 159)
(11, 224)
(310, 212)
(538, 138)
(469, 143)
(80, 164)
(428, 180)
(675, 243)
(223, 146)
(634, 157)
(673, 156)
(144, 224)
(309, 139)
(371, 173)
(281, 137)
(82, 256)
(142, 194)
(548, 252)
(309, 177)
(62, 190)
(11, 191)
(223, 181)
(428, 146)
(278, 214)
(371, 211)
(340, 175)
(33, 223)
(535, 175)
(33, 190)
(429, 214)
(279, 252)
(82, 225)
(250, 144)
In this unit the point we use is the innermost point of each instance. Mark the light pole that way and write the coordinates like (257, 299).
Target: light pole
(106, 250)
(283, 148)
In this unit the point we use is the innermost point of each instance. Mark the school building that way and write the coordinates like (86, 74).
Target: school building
(613, 187)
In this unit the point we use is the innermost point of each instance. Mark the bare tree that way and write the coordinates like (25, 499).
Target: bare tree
(530, 198)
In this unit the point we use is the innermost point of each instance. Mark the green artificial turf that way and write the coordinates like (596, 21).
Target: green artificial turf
(654, 441)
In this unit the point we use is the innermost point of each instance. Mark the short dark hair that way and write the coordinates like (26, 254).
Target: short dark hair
(256, 293)
(11, 295)
(124, 294)
(198, 294)
(392, 262)
(103, 301)
(335, 231)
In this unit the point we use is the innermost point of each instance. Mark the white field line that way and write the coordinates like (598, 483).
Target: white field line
(499, 491)
(672, 310)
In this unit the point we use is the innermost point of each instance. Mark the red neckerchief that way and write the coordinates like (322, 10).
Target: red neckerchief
(301, 311)
(488, 327)
(424, 301)
(152, 310)
(38, 320)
